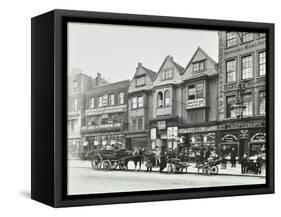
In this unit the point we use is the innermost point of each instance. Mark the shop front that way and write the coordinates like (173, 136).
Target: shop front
(136, 140)
(245, 136)
(164, 134)
(197, 139)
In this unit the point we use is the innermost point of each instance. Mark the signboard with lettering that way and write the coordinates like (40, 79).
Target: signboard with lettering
(161, 125)
(229, 138)
(153, 133)
(102, 126)
(195, 103)
(244, 134)
(198, 129)
(258, 137)
(107, 110)
(244, 124)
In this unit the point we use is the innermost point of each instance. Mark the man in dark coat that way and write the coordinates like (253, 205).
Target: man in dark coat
(163, 162)
(244, 163)
(259, 163)
(207, 154)
(233, 158)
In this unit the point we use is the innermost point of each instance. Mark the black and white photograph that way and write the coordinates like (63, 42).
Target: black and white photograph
(154, 108)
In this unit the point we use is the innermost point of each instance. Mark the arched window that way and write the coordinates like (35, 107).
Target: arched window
(160, 99)
(167, 98)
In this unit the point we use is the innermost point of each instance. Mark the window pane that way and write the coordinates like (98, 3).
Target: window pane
(195, 67)
(247, 37)
(140, 124)
(191, 92)
(140, 81)
(111, 99)
(200, 91)
(247, 67)
(134, 124)
(105, 100)
(230, 101)
(262, 63)
(140, 101)
(262, 103)
(160, 99)
(121, 98)
(167, 98)
(231, 39)
(248, 102)
(134, 102)
(231, 71)
(100, 101)
(92, 102)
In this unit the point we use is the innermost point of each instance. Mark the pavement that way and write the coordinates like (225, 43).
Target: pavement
(229, 171)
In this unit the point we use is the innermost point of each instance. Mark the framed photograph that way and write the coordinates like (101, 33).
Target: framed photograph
(134, 108)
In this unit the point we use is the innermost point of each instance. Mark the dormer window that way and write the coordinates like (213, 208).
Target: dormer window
(140, 81)
(167, 74)
(199, 66)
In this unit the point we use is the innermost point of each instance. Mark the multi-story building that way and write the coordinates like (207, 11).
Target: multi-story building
(166, 104)
(139, 108)
(242, 70)
(105, 115)
(78, 84)
(199, 98)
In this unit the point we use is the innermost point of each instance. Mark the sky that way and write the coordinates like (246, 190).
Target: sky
(115, 50)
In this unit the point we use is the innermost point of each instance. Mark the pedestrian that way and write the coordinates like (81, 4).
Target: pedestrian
(223, 158)
(163, 162)
(244, 163)
(207, 154)
(233, 158)
(149, 160)
(259, 163)
(201, 157)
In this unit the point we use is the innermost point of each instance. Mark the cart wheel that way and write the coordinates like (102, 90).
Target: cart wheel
(106, 165)
(170, 168)
(96, 162)
(114, 165)
(214, 169)
(122, 166)
(206, 170)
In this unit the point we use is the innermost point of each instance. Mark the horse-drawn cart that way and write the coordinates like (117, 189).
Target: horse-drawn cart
(210, 167)
(175, 165)
(110, 159)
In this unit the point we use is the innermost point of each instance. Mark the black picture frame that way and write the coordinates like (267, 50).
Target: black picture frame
(49, 110)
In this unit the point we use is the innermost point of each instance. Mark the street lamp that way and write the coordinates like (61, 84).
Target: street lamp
(239, 106)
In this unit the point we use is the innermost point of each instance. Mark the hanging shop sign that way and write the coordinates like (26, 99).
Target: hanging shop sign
(244, 134)
(258, 137)
(195, 103)
(229, 138)
(161, 125)
(153, 133)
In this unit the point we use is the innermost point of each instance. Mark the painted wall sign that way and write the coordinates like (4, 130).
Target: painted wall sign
(106, 110)
(244, 124)
(153, 133)
(258, 137)
(195, 103)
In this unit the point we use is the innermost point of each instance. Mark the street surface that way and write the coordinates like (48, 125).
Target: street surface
(85, 180)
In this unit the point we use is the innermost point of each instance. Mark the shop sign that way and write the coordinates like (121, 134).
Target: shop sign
(172, 132)
(244, 134)
(107, 110)
(153, 133)
(197, 129)
(195, 103)
(229, 138)
(240, 125)
(161, 125)
(258, 137)
(245, 47)
(102, 126)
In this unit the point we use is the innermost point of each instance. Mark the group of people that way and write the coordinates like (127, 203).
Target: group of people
(159, 159)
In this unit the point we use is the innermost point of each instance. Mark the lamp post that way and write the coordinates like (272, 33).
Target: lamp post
(239, 106)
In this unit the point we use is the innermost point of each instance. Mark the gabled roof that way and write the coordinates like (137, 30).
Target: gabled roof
(178, 66)
(149, 72)
(197, 50)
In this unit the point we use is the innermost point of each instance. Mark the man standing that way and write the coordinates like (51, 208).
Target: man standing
(259, 163)
(244, 164)
(233, 158)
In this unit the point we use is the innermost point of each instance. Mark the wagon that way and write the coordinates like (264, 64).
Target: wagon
(210, 167)
(110, 159)
(175, 165)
